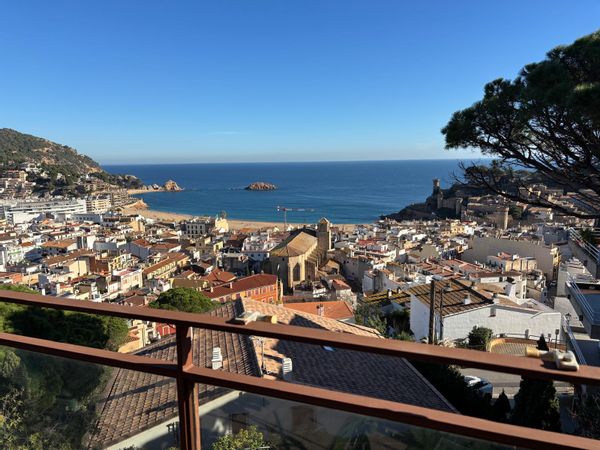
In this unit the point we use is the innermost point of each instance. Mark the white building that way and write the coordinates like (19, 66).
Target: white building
(547, 256)
(98, 204)
(258, 246)
(508, 261)
(23, 211)
(466, 306)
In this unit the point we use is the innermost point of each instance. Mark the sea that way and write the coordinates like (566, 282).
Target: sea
(344, 192)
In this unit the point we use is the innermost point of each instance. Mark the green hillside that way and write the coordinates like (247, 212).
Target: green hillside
(63, 165)
(16, 148)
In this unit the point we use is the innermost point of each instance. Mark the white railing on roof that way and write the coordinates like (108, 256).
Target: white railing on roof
(582, 300)
(590, 249)
(574, 344)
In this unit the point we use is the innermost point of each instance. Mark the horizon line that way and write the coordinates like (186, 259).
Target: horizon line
(292, 162)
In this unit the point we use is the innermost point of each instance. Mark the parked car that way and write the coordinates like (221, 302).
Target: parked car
(482, 385)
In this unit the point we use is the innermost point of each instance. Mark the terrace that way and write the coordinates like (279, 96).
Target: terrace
(189, 375)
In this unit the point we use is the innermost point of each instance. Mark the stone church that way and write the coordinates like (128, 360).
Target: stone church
(298, 257)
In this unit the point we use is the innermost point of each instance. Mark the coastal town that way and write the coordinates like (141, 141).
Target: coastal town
(519, 274)
(333, 226)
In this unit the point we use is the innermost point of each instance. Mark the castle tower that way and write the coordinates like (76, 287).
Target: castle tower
(323, 237)
(437, 194)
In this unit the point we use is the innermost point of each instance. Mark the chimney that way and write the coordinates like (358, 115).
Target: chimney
(320, 310)
(474, 285)
(389, 293)
(467, 299)
(286, 369)
(495, 298)
(217, 358)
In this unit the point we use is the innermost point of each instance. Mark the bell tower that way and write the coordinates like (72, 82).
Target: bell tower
(323, 237)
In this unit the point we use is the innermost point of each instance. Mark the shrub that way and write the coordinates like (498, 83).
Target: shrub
(183, 299)
(479, 338)
(248, 438)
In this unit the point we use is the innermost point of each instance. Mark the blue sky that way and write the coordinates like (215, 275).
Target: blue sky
(251, 80)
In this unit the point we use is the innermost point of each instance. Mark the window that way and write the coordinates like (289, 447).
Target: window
(296, 273)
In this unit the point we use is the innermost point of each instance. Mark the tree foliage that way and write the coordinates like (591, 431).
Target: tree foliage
(501, 408)
(184, 299)
(536, 405)
(20, 147)
(47, 401)
(248, 438)
(399, 320)
(479, 338)
(368, 316)
(547, 120)
(452, 385)
(587, 417)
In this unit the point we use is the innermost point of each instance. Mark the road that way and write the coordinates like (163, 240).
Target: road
(509, 382)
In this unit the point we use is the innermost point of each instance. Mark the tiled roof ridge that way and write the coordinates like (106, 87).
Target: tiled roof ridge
(477, 292)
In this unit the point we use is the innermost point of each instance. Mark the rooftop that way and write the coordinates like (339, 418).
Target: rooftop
(295, 245)
(243, 284)
(400, 412)
(335, 309)
(136, 401)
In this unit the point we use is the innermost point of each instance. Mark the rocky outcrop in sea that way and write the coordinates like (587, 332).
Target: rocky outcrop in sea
(170, 185)
(260, 186)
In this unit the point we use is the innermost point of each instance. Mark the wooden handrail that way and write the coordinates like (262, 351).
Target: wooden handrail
(187, 374)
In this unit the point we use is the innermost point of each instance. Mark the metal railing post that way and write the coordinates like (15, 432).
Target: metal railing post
(187, 392)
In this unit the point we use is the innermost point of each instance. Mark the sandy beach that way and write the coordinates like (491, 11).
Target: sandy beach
(145, 191)
(233, 223)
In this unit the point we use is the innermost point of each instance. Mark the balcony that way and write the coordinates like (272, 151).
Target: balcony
(584, 251)
(194, 407)
(585, 298)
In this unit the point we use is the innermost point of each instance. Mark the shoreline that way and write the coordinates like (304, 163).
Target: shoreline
(234, 224)
(149, 191)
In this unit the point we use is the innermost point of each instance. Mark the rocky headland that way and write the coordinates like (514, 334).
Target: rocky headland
(169, 186)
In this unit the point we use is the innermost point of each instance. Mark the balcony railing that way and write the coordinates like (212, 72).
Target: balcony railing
(570, 339)
(187, 375)
(591, 250)
(583, 302)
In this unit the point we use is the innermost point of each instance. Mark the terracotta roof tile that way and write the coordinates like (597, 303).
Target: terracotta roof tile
(295, 245)
(337, 309)
(135, 401)
(243, 284)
